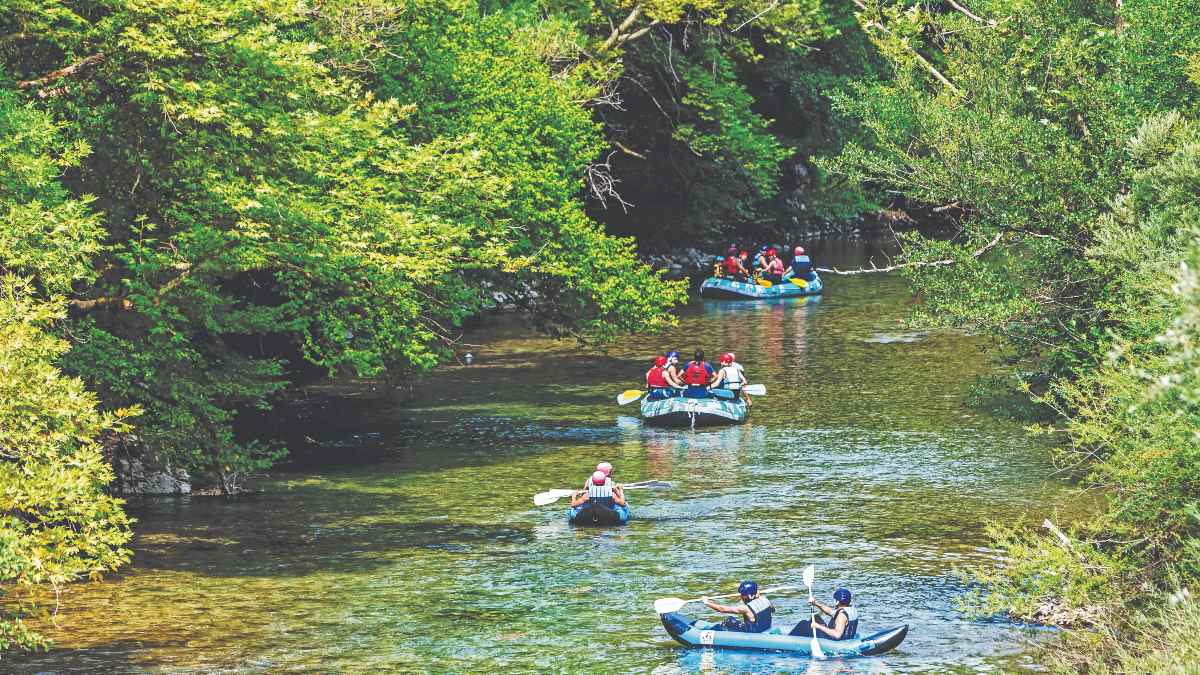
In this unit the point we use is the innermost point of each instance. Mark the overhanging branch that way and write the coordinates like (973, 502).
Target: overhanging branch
(873, 269)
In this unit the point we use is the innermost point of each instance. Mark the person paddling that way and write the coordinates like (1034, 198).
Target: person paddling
(731, 376)
(697, 376)
(732, 267)
(601, 491)
(656, 380)
(842, 623)
(755, 611)
(673, 373)
(802, 266)
(772, 267)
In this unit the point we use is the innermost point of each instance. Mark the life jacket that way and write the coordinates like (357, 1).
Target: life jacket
(696, 374)
(731, 265)
(655, 378)
(734, 377)
(851, 622)
(801, 265)
(601, 494)
(762, 610)
(774, 266)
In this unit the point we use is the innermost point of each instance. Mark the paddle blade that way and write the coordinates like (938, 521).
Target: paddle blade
(668, 605)
(815, 647)
(764, 283)
(550, 496)
(809, 573)
(629, 396)
(799, 282)
(755, 389)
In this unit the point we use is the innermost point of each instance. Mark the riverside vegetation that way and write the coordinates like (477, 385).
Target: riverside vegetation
(206, 202)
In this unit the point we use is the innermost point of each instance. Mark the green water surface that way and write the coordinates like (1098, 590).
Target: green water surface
(863, 459)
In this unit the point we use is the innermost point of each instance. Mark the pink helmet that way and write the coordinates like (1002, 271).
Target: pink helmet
(799, 250)
(598, 478)
(604, 467)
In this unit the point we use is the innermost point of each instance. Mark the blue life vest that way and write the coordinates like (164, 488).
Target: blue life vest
(762, 610)
(851, 623)
(801, 265)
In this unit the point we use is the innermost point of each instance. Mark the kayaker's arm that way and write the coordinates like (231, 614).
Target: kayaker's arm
(823, 608)
(578, 498)
(619, 494)
(725, 609)
(839, 627)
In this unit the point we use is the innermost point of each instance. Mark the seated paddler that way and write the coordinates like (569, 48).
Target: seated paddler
(600, 490)
(751, 615)
(731, 378)
(802, 266)
(842, 623)
(698, 376)
(656, 380)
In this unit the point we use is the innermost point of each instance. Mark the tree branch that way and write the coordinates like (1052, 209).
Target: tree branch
(920, 263)
(968, 13)
(616, 32)
(73, 69)
(631, 153)
(920, 59)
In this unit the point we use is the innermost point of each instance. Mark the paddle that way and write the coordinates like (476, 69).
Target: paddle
(551, 496)
(667, 605)
(629, 396)
(815, 645)
(755, 389)
(764, 283)
(799, 282)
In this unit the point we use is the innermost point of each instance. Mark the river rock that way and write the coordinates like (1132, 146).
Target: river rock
(136, 477)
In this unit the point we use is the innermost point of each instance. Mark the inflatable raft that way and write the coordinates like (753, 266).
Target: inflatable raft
(693, 412)
(718, 287)
(700, 634)
(597, 515)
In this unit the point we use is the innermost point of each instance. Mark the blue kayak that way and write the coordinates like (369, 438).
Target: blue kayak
(720, 287)
(597, 515)
(697, 633)
(679, 411)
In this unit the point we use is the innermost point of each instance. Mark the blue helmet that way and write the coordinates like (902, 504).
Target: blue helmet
(748, 588)
(763, 248)
(673, 355)
(842, 596)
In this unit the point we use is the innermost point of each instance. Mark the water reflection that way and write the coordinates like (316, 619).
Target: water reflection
(862, 459)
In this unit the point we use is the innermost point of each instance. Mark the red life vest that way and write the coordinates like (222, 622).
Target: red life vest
(731, 265)
(655, 378)
(696, 374)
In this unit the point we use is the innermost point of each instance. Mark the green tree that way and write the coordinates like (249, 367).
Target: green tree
(277, 185)
(57, 522)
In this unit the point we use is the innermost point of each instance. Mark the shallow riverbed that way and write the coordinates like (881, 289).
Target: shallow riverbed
(863, 459)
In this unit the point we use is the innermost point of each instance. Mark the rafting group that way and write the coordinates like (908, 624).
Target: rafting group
(738, 275)
(695, 394)
(750, 622)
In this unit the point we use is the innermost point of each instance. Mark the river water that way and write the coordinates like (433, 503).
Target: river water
(864, 459)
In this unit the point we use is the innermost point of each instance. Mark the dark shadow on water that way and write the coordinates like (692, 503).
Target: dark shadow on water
(110, 657)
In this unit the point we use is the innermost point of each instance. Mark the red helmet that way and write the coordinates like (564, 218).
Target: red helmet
(598, 478)
(772, 251)
(604, 467)
(799, 250)
(727, 357)
(660, 361)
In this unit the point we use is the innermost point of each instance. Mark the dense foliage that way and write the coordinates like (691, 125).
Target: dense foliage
(1066, 134)
(57, 523)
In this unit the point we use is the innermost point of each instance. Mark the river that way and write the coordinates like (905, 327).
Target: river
(864, 459)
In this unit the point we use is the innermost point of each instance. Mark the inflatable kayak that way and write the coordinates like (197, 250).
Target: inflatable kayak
(693, 412)
(700, 634)
(597, 515)
(719, 287)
